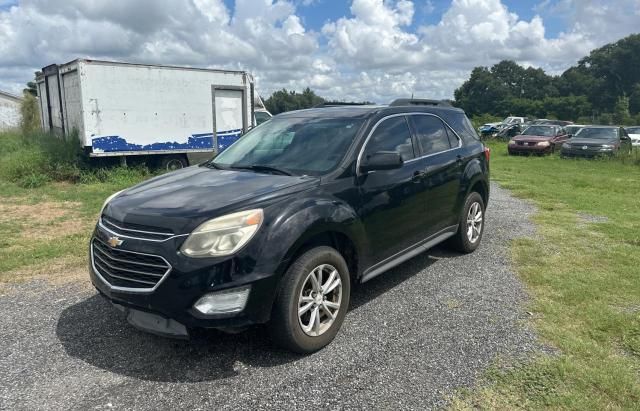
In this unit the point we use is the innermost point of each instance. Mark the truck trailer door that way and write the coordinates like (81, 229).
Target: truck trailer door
(229, 115)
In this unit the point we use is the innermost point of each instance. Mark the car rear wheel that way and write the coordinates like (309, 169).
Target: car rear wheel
(312, 302)
(471, 225)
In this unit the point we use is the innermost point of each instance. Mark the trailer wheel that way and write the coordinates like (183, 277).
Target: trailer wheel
(172, 163)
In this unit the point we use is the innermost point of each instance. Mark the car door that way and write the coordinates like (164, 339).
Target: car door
(392, 207)
(439, 146)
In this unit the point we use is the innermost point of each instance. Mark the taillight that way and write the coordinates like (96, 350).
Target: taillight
(487, 153)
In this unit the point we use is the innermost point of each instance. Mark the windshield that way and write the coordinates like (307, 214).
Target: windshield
(603, 133)
(572, 129)
(510, 120)
(298, 145)
(633, 130)
(545, 131)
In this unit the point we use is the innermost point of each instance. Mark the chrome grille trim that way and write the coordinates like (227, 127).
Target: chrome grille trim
(102, 225)
(100, 253)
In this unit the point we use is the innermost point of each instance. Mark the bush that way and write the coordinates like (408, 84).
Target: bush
(481, 119)
(35, 159)
(30, 114)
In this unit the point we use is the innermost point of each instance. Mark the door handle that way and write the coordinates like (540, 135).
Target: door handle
(418, 176)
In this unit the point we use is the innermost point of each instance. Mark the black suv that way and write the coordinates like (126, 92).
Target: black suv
(279, 226)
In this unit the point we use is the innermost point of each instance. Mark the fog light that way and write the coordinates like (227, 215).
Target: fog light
(223, 302)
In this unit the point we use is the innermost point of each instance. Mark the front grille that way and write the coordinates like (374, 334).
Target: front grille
(127, 269)
(135, 230)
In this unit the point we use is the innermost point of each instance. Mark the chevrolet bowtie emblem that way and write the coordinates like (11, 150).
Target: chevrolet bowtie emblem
(115, 242)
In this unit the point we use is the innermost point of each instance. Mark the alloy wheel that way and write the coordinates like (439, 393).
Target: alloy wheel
(474, 222)
(320, 299)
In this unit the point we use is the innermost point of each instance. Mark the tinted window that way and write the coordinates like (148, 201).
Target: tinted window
(431, 133)
(461, 124)
(391, 135)
(601, 133)
(545, 131)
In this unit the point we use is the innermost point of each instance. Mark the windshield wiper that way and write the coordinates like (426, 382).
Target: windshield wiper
(262, 167)
(211, 164)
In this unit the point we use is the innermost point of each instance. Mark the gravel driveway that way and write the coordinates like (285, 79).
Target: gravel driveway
(412, 337)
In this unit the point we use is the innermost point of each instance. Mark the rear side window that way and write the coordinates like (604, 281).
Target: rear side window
(391, 135)
(461, 124)
(431, 134)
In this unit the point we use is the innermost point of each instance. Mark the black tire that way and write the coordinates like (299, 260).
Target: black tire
(460, 241)
(173, 162)
(285, 327)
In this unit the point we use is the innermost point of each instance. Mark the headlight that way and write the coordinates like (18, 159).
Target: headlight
(111, 197)
(223, 235)
(511, 142)
(543, 144)
(606, 146)
(566, 145)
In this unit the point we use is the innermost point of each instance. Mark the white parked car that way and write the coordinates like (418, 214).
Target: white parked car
(634, 133)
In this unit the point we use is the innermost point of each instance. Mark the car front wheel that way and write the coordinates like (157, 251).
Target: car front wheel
(312, 302)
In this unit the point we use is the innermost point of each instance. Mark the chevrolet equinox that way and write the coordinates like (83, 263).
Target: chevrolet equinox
(278, 227)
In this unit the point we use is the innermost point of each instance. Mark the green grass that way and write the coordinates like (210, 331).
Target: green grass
(584, 282)
(38, 169)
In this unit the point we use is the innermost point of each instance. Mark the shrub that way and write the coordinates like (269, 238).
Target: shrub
(37, 158)
(30, 114)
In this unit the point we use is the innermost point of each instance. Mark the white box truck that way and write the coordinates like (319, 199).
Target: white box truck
(180, 115)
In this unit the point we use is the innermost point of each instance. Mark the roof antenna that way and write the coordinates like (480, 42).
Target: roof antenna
(412, 95)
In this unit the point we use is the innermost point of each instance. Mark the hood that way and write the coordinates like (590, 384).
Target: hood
(592, 141)
(182, 200)
(532, 138)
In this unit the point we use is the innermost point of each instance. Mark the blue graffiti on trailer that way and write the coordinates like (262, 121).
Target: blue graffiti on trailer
(114, 144)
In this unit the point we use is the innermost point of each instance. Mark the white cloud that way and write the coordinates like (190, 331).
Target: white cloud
(377, 53)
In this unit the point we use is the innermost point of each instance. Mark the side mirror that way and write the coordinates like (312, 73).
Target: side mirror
(381, 160)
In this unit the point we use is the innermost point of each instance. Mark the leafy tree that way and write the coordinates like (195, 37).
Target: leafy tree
(621, 111)
(30, 114)
(284, 100)
(634, 99)
(599, 83)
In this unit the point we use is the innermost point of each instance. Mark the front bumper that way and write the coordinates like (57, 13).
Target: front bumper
(585, 153)
(188, 280)
(527, 149)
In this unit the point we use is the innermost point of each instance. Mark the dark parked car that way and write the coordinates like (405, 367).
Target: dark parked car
(280, 225)
(539, 139)
(593, 141)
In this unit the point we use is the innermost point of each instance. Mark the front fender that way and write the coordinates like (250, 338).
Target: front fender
(301, 220)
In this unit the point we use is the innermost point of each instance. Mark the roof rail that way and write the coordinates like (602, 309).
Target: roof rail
(419, 102)
(339, 103)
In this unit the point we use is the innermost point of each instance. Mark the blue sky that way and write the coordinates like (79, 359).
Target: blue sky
(374, 50)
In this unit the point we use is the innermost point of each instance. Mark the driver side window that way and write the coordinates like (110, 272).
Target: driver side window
(391, 135)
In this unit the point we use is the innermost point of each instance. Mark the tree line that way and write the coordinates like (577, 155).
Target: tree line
(604, 87)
